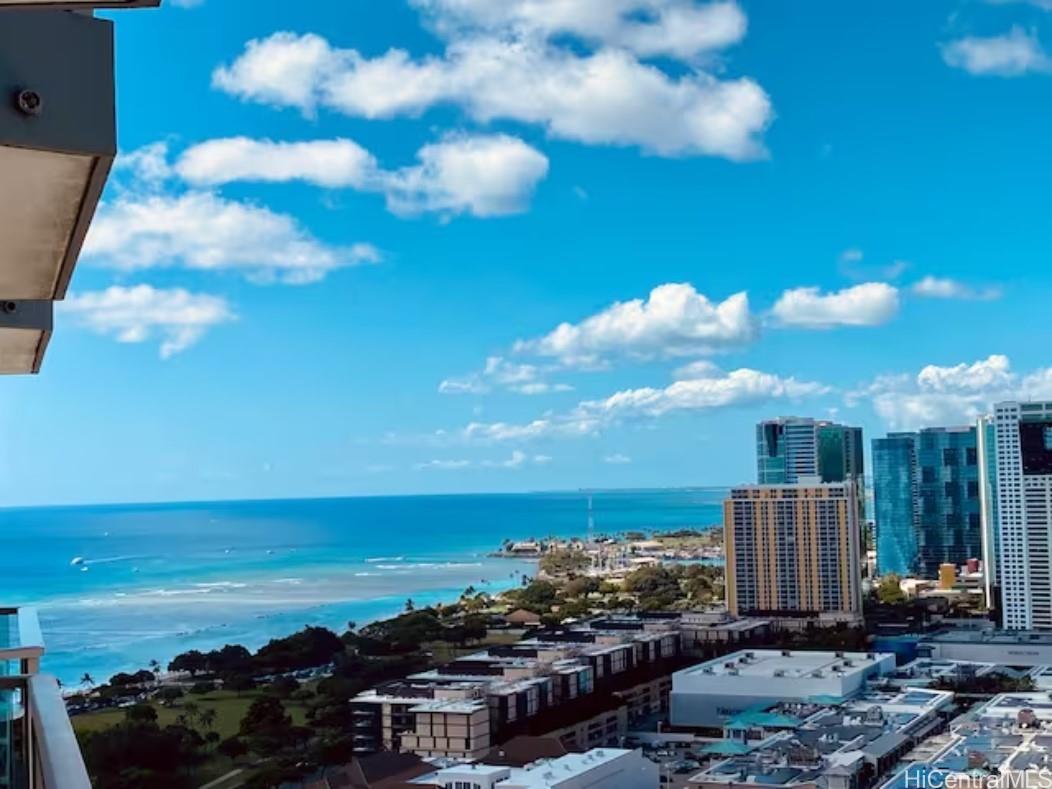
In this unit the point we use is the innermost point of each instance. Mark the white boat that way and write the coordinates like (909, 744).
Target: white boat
(77, 561)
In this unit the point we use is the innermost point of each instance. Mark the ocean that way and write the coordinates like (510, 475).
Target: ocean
(118, 586)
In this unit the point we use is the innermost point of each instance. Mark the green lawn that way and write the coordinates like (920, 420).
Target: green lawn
(230, 709)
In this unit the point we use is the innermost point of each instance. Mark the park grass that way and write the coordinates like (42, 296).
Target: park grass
(230, 708)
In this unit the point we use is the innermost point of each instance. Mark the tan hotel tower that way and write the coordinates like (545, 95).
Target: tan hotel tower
(793, 551)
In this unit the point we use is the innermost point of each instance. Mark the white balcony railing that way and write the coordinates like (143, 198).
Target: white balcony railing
(38, 748)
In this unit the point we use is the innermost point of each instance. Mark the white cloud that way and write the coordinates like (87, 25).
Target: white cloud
(137, 314)
(675, 320)
(1037, 385)
(465, 385)
(868, 304)
(202, 230)
(945, 288)
(695, 370)
(527, 379)
(711, 389)
(283, 70)
(910, 411)
(617, 459)
(852, 265)
(548, 427)
(951, 395)
(147, 165)
(328, 163)
(993, 373)
(482, 175)
(675, 28)
(603, 97)
(443, 465)
(1013, 54)
(517, 460)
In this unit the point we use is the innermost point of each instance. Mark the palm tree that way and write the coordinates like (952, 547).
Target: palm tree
(409, 605)
(192, 711)
(155, 669)
(208, 718)
(87, 680)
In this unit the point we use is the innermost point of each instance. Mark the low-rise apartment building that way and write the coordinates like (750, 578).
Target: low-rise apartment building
(583, 685)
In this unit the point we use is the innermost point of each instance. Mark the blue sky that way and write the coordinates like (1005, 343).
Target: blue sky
(397, 246)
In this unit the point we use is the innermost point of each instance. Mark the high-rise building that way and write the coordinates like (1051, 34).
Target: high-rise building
(895, 503)
(794, 550)
(926, 493)
(949, 512)
(986, 442)
(800, 449)
(1023, 448)
(840, 455)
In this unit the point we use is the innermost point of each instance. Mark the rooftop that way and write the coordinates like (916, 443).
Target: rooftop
(539, 774)
(1009, 734)
(794, 743)
(772, 663)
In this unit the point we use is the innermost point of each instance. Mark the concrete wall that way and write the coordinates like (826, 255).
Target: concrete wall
(1021, 654)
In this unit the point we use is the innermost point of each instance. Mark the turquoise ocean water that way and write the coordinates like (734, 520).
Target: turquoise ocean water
(118, 586)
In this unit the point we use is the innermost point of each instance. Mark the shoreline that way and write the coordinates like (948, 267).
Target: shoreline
(134, 640)
(165, 579)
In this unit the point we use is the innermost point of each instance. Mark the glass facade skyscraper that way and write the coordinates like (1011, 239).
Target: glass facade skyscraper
(927, 497)
(840, 455)
(895, 503)
(790, 449)
(949, 513)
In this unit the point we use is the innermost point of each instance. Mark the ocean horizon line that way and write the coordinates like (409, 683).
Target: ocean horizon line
(362, 496)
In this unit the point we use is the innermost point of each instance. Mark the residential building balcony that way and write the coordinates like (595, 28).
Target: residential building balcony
(38, 749)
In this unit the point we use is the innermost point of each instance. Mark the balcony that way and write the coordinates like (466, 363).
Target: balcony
(38, 749)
